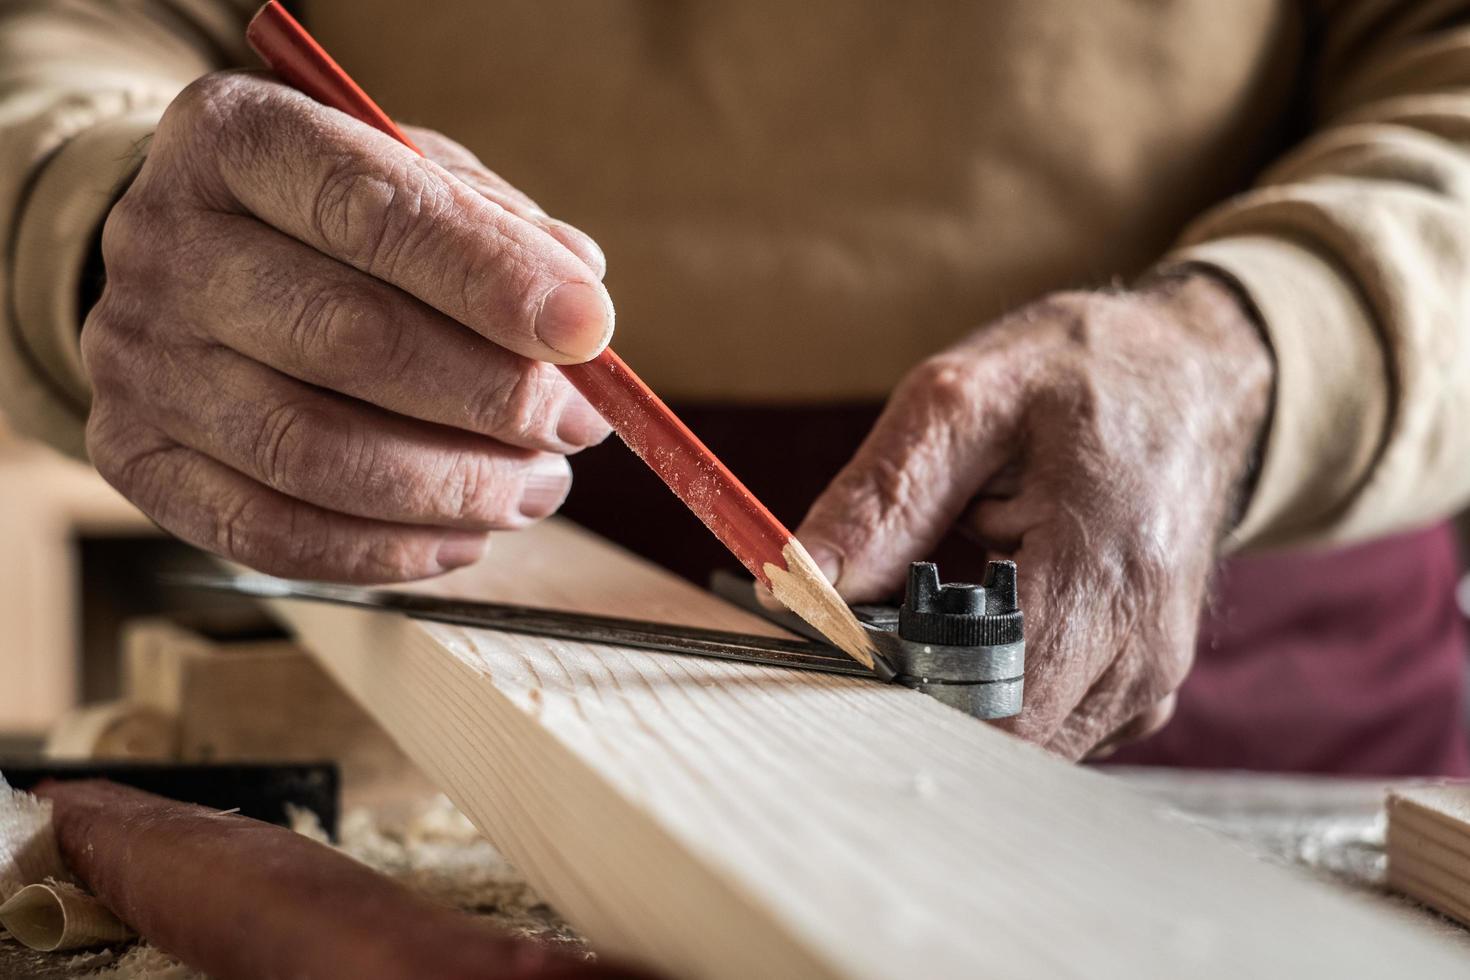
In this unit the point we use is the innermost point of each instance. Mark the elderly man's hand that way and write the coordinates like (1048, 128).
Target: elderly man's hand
(1101, 441)
(322, 355)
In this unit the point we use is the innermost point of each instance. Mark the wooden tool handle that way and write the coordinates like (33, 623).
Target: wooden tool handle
(238, 898)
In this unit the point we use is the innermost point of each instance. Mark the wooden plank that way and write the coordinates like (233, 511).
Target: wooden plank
(721, 820)
(1428, 846)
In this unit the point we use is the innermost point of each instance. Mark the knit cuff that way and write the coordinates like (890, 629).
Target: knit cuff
(65, 207)
(1331, 401)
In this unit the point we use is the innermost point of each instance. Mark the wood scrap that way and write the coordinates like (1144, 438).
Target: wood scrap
(1428, 847)
(54, 915)
(114, 730)
(40, 906)
(723, 820)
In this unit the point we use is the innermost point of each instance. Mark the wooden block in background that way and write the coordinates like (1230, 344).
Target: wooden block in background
(260, 700)
(114, 730)
(1428, 847)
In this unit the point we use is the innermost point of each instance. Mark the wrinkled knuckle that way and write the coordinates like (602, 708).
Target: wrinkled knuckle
(219, 110)
(123, 225)
(473, 491)
(161, 247)
(253, 528)
(309, 545)
(203, 102)
(348, 329)
(98, 342)
(238, 531)
(504, 285)
(390, 559)
(288, 448)
(377, 219)
(314, 323)
(1067, 389)
(1082, 319)
(519, 410)
(138, 474)
(349, 210)
(109, 345)
(892, 485)
(949, 385)
(137, 237)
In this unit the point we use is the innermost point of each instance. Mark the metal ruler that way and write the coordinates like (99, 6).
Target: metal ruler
(770, 651)
(962, 644)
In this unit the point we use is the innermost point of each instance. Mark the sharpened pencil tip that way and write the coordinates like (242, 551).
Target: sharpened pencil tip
(802, 588)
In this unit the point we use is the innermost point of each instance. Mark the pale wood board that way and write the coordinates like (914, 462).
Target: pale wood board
(1428, 846)
(722, 820)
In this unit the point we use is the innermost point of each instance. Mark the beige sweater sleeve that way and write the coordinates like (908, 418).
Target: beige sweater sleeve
(82, 85)
(1355, 249)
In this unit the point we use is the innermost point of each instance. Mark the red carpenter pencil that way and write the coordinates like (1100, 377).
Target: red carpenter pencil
(705, 485)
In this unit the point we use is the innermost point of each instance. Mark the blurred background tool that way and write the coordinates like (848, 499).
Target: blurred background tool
(259, 790)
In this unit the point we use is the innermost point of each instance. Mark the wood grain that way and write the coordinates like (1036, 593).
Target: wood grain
(1428, 846)
(722, 820)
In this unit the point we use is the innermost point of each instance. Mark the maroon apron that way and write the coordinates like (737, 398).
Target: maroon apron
(1341, 661)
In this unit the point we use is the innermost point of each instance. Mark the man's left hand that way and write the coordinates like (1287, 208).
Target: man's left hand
(1101, 440)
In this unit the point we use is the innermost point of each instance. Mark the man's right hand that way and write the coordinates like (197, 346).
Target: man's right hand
(323, 356)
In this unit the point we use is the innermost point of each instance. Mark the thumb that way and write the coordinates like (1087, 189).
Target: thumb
(944, 432)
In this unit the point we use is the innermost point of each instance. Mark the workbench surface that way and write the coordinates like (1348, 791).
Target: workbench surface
(1332, 828)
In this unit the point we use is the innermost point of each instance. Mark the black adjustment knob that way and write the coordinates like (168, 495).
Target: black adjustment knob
(960, 614)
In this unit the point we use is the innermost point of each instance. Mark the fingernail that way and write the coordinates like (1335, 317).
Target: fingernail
(580, 424)
(546, 486)
(461, 550)
(575, 319)
(828, 560)
(580, 243)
